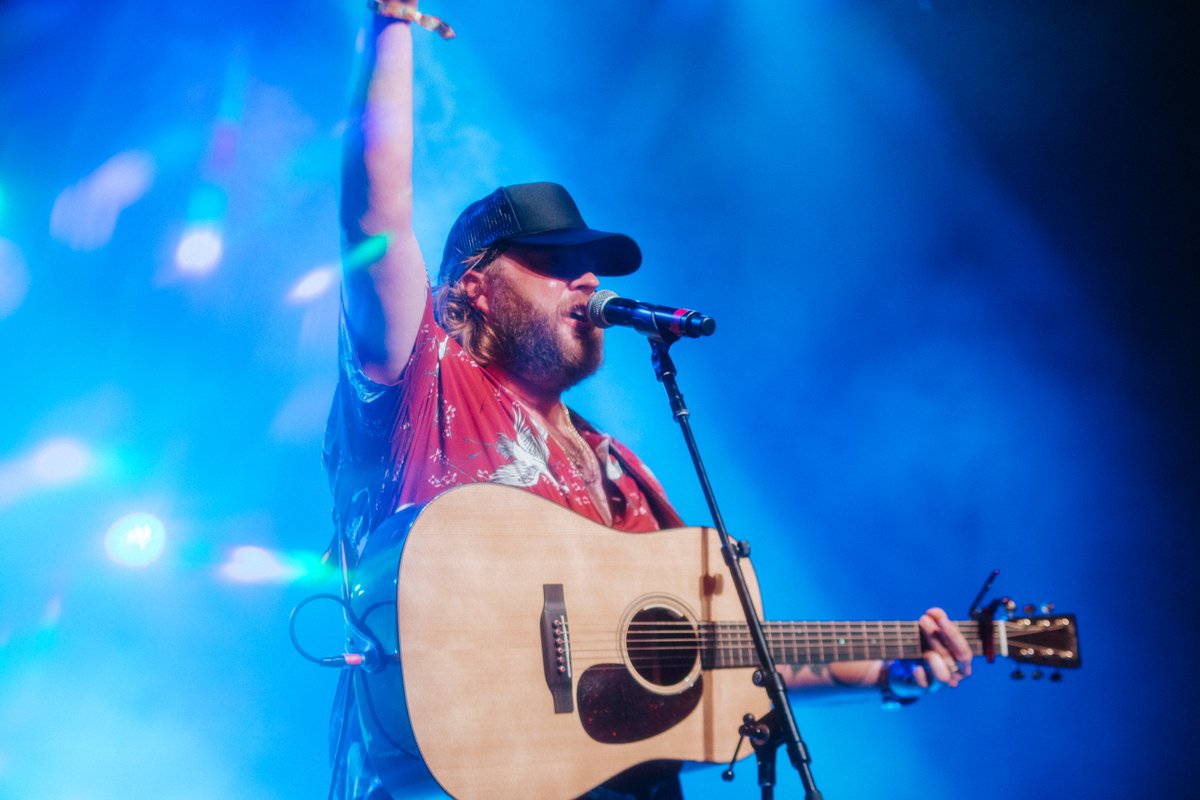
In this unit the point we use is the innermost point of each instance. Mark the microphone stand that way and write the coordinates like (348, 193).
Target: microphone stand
(779, 725)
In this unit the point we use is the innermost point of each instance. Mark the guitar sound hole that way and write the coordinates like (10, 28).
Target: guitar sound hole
(662, 646)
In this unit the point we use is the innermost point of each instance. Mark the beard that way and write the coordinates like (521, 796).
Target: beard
(534, 345)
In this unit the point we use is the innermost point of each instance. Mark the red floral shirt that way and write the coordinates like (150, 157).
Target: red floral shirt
(448, 422)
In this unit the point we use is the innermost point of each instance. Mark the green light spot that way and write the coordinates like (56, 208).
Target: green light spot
(367, 253)
(312, 567)
(207, 204)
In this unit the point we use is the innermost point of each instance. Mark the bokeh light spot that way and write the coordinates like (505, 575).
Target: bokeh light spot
(60, 461)
(51, 464)
(136, 540)
(52, 613)
(85, 215)
(199, 250)
(208, 204)
(250, 564)
(14, 275)
(312, 285)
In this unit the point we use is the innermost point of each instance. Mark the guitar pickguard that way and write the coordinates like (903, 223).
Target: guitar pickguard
(615, 709)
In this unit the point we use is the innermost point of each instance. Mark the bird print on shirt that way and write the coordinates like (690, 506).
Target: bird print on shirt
(528, 456)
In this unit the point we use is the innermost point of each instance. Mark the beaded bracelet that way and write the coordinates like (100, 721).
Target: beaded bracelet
(395, 9)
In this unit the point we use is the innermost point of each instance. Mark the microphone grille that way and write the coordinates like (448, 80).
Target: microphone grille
(595, 307)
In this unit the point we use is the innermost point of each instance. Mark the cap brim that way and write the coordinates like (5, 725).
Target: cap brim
(578, 250)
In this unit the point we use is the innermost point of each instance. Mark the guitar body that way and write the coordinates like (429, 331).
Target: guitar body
(522, 672)
(521, 650)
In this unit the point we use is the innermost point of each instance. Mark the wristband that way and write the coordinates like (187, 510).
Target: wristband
(901, 671)
(395, 9)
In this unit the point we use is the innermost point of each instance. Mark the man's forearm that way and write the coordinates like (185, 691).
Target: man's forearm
(847, 675)
(378, 146)
(385, 285)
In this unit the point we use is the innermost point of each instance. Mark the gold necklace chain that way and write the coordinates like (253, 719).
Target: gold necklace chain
(587, 464)
(583, 458)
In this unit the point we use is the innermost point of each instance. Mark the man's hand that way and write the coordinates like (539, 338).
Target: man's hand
(946, 662)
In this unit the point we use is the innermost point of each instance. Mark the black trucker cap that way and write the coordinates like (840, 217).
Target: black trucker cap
(540, 215)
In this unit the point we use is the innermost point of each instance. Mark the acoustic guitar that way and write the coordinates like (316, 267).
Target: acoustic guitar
(520, 650)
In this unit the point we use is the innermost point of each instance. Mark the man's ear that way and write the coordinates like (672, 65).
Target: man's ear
(475, 285)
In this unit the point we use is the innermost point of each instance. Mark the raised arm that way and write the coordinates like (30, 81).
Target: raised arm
(385, 285)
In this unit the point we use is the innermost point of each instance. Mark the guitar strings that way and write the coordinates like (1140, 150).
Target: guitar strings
(681, 642)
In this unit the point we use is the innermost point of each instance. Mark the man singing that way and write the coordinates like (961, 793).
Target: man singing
(464, 383)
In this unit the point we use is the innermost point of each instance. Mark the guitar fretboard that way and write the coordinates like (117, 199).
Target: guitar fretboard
(728, 644)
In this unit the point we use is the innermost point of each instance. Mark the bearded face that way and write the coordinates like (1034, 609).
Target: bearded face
(552, 348)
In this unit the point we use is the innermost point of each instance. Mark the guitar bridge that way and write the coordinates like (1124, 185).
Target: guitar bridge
(556, 647)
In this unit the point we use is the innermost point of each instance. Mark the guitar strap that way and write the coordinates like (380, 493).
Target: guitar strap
(631, 465)
(656, 498)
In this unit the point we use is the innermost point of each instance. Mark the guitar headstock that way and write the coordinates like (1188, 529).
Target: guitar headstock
(1049, 640)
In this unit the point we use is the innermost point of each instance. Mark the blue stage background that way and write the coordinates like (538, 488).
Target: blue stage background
(952, 250)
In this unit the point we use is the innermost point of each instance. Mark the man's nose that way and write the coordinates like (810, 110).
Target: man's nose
(586, 281)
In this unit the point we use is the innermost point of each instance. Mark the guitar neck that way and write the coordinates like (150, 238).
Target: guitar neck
(728, 644)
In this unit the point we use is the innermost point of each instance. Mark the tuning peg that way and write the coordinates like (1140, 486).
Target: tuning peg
(1047, 608)
(1037, 673)
(1056, 677)
(1029, 608)
(1017, 674)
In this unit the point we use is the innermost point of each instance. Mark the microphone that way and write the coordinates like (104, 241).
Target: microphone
(606, 309)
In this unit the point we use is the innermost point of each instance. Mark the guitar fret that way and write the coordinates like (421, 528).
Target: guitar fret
(729, 645)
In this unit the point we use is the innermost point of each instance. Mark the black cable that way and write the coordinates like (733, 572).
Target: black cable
(345, 659)
(373, 649)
